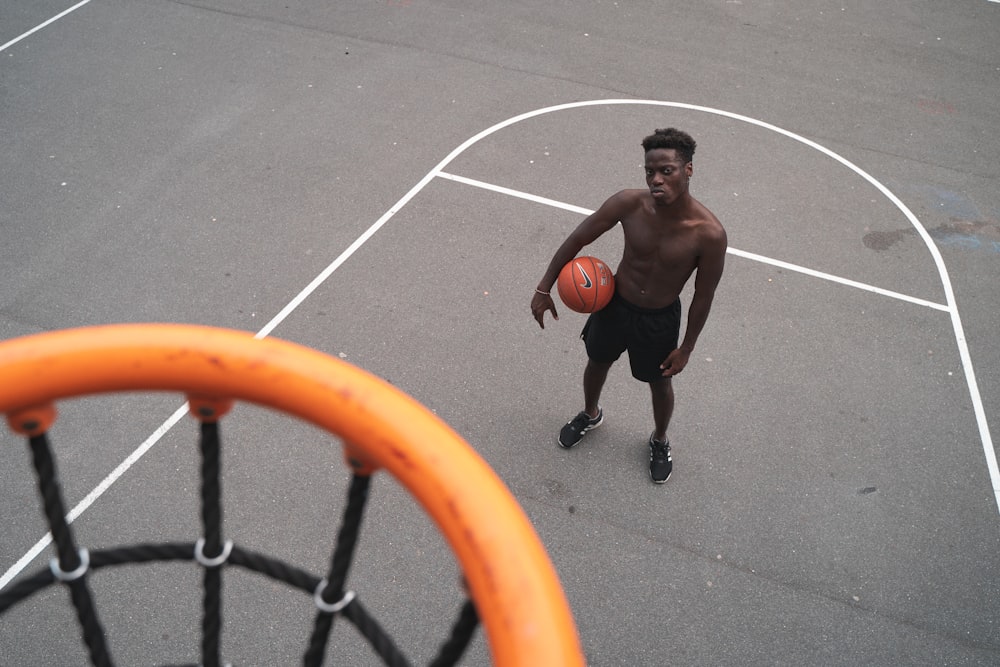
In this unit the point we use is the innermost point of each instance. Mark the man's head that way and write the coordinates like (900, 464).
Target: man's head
(671, 138)
(668, 165)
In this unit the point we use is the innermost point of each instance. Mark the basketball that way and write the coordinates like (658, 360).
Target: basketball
(586, 284)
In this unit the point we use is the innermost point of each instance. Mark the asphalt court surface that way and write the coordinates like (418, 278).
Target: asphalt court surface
(203, 162)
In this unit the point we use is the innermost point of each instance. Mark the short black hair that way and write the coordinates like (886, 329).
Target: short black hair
(671, 137)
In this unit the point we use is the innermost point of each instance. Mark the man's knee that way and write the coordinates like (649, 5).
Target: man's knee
(604, 366)
(661, 386)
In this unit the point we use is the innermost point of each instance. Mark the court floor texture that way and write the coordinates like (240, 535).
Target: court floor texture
(386, 182)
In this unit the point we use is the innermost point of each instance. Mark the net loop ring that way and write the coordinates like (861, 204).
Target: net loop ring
(328, 607)
(199, 553)
(81, 569)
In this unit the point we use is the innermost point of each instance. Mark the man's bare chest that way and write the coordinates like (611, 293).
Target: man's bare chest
(661, 244)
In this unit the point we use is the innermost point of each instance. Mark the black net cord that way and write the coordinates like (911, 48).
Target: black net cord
(347, 538)
(25, 588)
(318, 640)
(137, 553)
(211, 517)
(379, 639)
(461, 634)
(93, 632)
(52, 501)
(67, 554)
(211, 624)
(343, 554)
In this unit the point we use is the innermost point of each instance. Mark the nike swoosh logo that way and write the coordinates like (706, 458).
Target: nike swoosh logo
(587, 284)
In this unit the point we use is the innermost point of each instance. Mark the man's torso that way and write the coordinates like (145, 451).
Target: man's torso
(661, 252)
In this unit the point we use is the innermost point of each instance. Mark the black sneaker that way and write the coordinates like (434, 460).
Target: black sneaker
(574, 430)
(660, 463)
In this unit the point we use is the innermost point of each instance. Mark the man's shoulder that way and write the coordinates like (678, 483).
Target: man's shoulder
(629, 196)
(622, 204)
(705, 217)
(709, 226)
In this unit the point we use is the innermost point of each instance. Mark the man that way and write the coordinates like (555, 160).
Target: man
(669, 235)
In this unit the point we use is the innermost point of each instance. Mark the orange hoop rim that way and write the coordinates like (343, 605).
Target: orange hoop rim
(517, 593)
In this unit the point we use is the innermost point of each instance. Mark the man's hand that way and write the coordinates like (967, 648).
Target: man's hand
(539, 304)
(675, 362)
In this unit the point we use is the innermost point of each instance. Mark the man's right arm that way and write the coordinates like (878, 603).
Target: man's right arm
(588, 231)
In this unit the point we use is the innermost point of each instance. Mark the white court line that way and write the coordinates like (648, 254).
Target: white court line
(516, 193)
(987, 442)
(733, 251)
(39, 27)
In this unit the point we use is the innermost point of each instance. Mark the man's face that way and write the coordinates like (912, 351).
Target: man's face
(666, 175)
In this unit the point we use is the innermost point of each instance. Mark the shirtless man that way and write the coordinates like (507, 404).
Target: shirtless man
(669, 235)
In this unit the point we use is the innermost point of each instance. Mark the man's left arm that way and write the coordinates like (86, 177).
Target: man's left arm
(709, 273)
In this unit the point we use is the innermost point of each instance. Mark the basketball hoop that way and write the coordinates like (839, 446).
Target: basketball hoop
(513, 587)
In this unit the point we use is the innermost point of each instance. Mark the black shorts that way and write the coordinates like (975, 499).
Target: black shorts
(648, 335)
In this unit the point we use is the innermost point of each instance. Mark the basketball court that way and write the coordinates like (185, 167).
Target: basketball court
(386, 184)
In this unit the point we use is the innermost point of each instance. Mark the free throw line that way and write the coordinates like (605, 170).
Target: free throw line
(733, 251)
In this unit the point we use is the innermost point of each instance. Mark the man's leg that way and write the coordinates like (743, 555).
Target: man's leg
(594, 376)
(663, 406)
(593, 381)
(660, 462)
(602, 341)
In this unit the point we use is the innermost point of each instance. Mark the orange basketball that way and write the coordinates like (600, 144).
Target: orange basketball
(586, 284)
